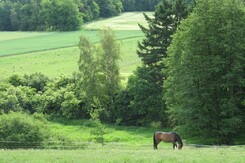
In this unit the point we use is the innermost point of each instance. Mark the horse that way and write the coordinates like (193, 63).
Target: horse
(167, 137)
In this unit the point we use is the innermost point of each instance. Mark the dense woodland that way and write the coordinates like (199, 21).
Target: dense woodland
(62, 15)
(191, 78)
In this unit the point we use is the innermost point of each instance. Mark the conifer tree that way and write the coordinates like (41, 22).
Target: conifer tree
(152, 50)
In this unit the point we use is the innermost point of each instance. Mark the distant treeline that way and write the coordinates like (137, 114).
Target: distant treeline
(62, 15)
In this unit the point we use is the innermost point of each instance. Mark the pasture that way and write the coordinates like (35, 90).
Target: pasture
(56, 53)
(122, 153)
(123, 144)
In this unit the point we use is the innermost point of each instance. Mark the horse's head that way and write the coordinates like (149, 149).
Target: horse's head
(180, 146)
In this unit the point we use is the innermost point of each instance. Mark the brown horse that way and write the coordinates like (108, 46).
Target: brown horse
(167, 137)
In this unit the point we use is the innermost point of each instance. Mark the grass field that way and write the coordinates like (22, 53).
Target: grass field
(55, 53)
(62, 61)
(123, 144)
(121, 154)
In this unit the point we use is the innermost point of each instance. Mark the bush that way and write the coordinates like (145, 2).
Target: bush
(16, 98)
(19, 130)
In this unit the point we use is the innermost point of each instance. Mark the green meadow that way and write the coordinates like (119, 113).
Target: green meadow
(122, 144)
(56, 53)
(121, 154)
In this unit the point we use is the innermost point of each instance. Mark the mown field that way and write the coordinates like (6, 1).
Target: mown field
(56, 53)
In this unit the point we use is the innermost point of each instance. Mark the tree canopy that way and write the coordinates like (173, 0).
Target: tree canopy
(205, 72)
(146, 85)
(60, 15)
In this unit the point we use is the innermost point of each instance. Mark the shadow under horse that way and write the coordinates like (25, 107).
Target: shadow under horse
(167, 137)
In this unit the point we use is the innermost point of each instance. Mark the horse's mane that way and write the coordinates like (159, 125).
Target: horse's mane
(178, 138)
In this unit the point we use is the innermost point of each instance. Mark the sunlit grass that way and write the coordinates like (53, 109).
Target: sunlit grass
(55, 62)
(126, 21)
(116, 153)
(56, 53)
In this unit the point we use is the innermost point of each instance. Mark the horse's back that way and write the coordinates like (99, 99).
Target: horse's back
(164, 136)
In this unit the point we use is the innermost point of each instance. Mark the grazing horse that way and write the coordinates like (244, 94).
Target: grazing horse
(167, 137)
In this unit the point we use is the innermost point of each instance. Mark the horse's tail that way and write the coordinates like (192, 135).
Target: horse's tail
(154, 142)
(179, 139)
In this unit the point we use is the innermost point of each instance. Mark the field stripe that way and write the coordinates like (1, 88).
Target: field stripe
(55, 40)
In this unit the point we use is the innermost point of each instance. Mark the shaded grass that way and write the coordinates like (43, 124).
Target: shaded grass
(79, 130)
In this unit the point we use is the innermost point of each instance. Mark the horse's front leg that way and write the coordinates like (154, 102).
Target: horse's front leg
(174, 145)
(157, 142)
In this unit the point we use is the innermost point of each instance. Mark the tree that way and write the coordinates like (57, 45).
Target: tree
(108, 8)
(5, 22)
(29, 16)
(99, 129)
(68, 16)
(108, 58)
(205, 83)
(139, 5)
(99, 71)
(89, 9)
(60, 15)
(152, 50)
(147, 106)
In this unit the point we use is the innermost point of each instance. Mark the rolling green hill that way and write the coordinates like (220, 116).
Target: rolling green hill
(55, 53)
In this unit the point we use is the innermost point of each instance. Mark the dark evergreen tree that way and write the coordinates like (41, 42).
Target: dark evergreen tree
(152, 51)
(205, 84)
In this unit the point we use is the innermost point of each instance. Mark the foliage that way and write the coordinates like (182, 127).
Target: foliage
(146, 86)
(20, 130)
(61, 15)
(140, 5)
(108, 8)
(205, 83)
(121, 108)
(37, 81)
(99, 129)
(99, 72)
(57, 97)
(147, 97)
(89, 10)
(15, 98)
(60, 98)
(54, 15)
